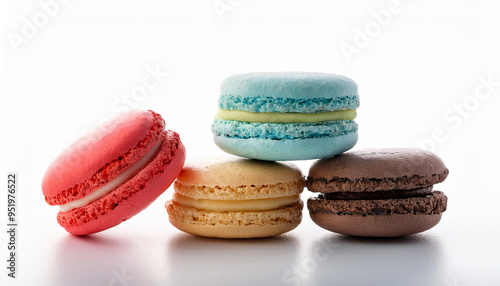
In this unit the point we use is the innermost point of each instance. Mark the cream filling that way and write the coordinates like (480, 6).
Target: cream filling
(111, 185)
(235, 206)
(293, 117)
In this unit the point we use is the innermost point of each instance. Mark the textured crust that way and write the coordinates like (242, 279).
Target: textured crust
(235, 171)
(376, 225)
(337, 184)
(430, 205)
(111, 169)
(288, 92)
(190, 215)
(233, 231)
(278, 104)
(378, 164)
(282, 131)
(124, 202)
(241, 192)
(234, 224)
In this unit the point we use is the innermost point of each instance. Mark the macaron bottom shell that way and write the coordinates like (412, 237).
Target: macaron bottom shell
(131, 197)
(378, 217)
(287, 149)
(234, 224)
(393, 225)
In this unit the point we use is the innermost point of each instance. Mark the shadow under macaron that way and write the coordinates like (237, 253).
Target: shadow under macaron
(88, 259)
(350, 260)
(247, 261)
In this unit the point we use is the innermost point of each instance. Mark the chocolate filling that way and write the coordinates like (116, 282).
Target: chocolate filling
(435, 203)
(378, 195)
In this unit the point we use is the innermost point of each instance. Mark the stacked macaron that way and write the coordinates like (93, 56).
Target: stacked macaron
(286, 116)
(295, 116)
(117, 170)
(265, 117)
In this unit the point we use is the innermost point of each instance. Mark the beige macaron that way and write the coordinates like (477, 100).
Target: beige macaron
(237, 198)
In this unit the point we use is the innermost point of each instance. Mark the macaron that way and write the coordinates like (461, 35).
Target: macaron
(286, 115)
(236, 198)
(113, 172)
(377, 192)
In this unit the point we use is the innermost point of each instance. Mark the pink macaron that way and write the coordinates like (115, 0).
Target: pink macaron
(114, 172)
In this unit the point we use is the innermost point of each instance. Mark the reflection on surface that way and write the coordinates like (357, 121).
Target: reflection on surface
(194, 260)
(183, 259)
(92, 260)
(345, 260)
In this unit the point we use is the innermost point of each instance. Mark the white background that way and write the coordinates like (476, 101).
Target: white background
(420, 67)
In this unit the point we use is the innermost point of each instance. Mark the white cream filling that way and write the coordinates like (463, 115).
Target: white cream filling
(111, 185)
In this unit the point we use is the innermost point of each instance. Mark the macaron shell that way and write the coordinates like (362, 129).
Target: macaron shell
(233, 171)
(284, 150)
(234, 224)
(131, 197)
(376, 225)
(379, 163)
(246, 191)
(359, 185)
(101, 155)
(284, 105)
(231, 231)
(288, 85)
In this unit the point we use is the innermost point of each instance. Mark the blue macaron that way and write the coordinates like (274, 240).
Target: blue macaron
(286, 115)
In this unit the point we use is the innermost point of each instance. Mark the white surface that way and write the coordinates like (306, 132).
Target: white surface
(415, 74)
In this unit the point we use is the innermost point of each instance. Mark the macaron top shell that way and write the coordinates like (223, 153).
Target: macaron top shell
(304, 92)
(101, 155)
(216, 172)
(378, 163)
(376, 170)
(238, 179)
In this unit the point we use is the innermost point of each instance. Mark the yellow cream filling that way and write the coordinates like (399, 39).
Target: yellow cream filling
(293, 117)
(235, 206)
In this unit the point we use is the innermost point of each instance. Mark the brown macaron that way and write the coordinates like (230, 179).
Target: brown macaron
(377, 192)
